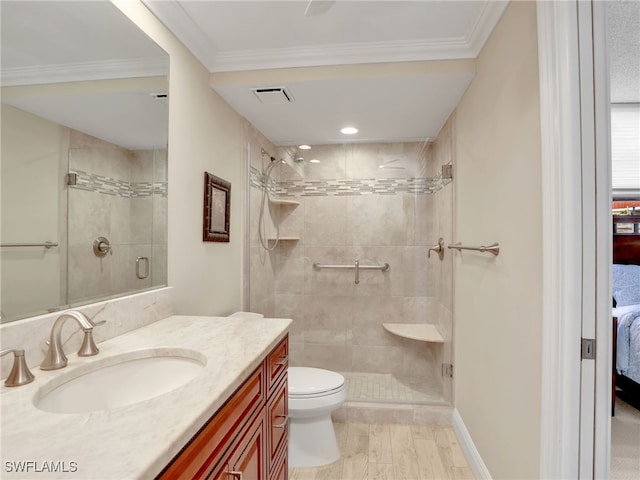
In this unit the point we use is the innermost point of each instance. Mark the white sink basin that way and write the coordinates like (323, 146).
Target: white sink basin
(118, 381)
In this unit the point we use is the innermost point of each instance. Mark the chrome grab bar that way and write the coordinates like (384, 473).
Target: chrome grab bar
(46, 244)
(493, 248)
(384, 267)
(356, 265)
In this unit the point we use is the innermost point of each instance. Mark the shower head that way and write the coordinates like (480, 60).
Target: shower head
(298, 158)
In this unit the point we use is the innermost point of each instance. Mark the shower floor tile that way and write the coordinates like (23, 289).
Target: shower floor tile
(385, 387)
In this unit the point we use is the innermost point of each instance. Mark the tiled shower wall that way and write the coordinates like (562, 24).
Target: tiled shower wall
(120, 195)
(352, 208)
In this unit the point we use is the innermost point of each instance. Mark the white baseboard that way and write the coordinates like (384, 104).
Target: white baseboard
(474, 459)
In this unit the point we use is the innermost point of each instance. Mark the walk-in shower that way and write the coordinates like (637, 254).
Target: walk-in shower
(344, 209)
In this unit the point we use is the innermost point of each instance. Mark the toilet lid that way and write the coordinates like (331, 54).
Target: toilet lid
(311, 381)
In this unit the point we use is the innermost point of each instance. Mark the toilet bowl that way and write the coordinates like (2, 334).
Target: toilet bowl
(313, 394)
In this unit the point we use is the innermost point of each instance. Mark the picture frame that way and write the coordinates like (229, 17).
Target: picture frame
(217, 209)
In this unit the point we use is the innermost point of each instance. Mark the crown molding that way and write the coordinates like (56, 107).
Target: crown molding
(184, 28)
(177, 20)
(74, 72)
(481, 30)
(341, 54)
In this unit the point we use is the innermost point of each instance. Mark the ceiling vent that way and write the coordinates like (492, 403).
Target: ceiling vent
(273, 95)
(160, 96)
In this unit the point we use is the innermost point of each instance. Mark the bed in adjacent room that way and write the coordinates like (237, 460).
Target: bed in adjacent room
(626, 311)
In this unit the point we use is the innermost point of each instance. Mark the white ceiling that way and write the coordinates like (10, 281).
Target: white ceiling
(355, 56)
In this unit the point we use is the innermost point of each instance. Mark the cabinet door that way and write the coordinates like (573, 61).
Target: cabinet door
(278, 362)
(280, 471)
(247, 461)
(277, 423)
(208, 447)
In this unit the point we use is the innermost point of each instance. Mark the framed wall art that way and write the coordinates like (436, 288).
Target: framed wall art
(217, 209)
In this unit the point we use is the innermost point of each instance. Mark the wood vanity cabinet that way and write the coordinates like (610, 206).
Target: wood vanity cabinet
(247, 438)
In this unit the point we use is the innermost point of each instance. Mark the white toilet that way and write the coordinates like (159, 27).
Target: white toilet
(313, 394)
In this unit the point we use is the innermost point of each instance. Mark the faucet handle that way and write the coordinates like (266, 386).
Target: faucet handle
(439, 249)
(88, 347)
(20, 373)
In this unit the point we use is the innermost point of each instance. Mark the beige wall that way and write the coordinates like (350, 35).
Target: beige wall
(205, 134)
(498, 300)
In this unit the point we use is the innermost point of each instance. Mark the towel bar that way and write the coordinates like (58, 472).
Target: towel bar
(493, 248)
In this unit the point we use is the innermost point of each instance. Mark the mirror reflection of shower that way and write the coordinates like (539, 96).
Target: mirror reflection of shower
(266, 179)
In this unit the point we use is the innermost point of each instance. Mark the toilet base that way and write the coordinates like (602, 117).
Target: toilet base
(312, 442)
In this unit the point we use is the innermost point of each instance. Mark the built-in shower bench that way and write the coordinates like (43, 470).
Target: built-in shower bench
(425, 332)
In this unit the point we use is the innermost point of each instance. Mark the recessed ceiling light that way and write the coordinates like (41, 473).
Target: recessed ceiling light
(315, 160)
(349, 130)
(305, 147)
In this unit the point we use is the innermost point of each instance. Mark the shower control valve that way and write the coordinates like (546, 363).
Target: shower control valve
(101, 247)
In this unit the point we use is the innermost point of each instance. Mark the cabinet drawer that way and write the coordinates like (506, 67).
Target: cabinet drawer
(208, 446)
(278, 362)
(277, 423)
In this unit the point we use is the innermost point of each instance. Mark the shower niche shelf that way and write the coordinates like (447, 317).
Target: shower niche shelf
(424, 332)
(284, 239)
(284, 201)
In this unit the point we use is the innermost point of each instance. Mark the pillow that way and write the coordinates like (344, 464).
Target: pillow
(629, 295)
(626, 284)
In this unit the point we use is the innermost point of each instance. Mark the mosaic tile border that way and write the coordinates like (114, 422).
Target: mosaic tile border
(349, 187)
(256, 180)
(92, 182)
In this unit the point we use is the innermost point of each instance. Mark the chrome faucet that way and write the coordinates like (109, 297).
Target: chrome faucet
(55, 357)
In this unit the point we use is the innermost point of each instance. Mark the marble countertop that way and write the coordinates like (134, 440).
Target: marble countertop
(138, 440)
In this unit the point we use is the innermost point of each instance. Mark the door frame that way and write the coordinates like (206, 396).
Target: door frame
(575, 430)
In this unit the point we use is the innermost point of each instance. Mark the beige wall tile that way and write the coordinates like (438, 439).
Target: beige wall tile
(325, 221)
(369, 313)
(328, 320)
(331, 357)
(378, 359)
(380, 220)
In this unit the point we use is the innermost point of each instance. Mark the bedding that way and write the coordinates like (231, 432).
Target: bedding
(628, 345)
(626, 284)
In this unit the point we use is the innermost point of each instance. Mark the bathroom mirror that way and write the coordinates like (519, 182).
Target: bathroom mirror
(84, 156)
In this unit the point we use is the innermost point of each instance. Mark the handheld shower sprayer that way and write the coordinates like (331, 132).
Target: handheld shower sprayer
(266, 178)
